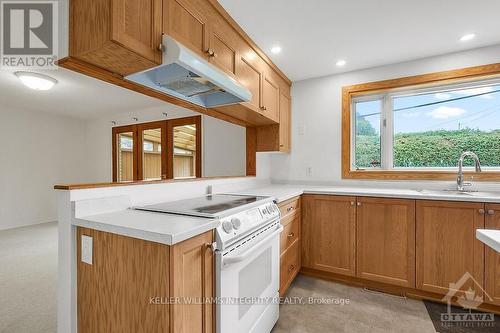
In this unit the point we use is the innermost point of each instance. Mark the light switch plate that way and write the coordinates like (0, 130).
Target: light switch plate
(87, 249)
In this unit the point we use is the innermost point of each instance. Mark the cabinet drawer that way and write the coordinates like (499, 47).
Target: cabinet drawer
(290, 232)
(289, 267)
(289, 206)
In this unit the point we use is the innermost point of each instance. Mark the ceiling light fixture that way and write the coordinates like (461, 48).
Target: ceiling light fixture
(36, 81)
(467, 37)
(276, 49)
(340, 63)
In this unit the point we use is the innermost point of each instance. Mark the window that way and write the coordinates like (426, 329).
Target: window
(419, 131)
(157, 150)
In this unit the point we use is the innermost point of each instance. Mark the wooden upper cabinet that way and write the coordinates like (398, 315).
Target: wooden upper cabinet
(446, 246)
(492, 259)
(270, 98)
(186, 24)
(222, 50)
(329, 233)
(250, 76)
(285, 126)
(121, 36)
(386, 241)
(136, 24)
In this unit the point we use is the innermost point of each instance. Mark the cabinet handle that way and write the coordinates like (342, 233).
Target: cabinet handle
(491, 212)
(160, 47)
(358, 203)
(292, 267)
(481, 211)
(289, 209)
(281, 145)
(352, 203)
(211, 53)
(290, 235)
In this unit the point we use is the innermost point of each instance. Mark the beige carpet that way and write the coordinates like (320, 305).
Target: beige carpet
(366, 312)
(28, 277)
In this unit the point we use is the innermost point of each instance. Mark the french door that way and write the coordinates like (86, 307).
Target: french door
(169, 149)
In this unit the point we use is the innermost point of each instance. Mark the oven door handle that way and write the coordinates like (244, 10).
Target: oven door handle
(239, 258)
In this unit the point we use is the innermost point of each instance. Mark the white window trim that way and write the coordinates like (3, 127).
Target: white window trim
(387, 122)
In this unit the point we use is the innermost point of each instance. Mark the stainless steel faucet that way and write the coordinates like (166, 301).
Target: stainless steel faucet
(460, 177)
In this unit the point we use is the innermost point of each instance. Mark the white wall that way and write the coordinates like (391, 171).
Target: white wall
(316, 106)
(38, 151)
(224, 148)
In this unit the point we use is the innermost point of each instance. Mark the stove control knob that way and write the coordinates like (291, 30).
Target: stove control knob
(227, 226)
(236, 222)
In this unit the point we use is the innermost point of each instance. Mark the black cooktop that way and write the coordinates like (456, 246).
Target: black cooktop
(213, 205)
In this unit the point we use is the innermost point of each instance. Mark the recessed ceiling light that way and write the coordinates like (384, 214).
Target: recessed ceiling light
(36, 81)
(276, 49)
(340, 63)
(467, 37)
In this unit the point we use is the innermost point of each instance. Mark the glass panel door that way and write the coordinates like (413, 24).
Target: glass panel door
(152, 154)
(185, 146)
(125, 156)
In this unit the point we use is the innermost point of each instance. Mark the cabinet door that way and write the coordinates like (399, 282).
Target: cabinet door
(250, 77)
(285, 126)
(113, 292)
(492, 260)
(222, 51)
(386, 241)
(136, 24)
(192, 270)
(270, 99)
(328, 233)
(447, 248)
(186, 25)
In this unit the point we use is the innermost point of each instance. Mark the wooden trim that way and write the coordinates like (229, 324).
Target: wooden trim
(251, 138)
(390, 289)
(93, 71)
(431, 79)
(247, 39)
(71, 187)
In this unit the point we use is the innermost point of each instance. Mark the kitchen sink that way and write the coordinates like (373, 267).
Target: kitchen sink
(448, 192)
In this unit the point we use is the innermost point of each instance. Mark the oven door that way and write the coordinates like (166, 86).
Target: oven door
(247, 283)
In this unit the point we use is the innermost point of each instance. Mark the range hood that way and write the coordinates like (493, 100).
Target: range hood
(186, 75)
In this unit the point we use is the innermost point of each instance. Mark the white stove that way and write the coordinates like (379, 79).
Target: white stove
(247, 251)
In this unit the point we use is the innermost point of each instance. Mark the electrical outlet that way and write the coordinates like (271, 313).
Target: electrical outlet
(309, 171)
(302, 130)
(86, 249)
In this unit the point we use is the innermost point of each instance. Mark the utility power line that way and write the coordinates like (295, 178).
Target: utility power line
(432, 103)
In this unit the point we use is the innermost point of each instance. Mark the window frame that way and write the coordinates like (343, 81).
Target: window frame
(389, 89)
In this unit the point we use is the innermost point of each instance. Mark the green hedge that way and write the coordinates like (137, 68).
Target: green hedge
(433, 148)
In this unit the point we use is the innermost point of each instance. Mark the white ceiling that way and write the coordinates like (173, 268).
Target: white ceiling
(366, 33)
(75, 95)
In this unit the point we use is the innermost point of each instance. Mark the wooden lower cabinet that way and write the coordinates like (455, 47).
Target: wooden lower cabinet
(446, 245)
(130, 282)
(290, 260)
(329, 233)
(386, 241)
(492, 259)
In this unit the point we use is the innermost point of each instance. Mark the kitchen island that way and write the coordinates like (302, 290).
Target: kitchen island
(104, 211)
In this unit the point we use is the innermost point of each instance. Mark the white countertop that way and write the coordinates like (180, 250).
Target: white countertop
(162, 228)
(171, 229)
(284, 192)
(490, 238)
